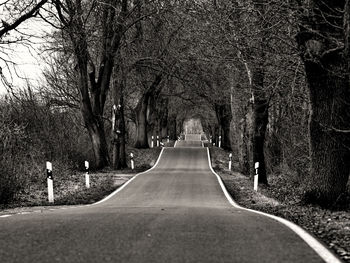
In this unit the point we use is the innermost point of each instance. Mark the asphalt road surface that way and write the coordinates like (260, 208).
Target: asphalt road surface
(177, 212)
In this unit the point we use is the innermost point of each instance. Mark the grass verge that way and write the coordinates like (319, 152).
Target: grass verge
(281, 198)
(70, 189)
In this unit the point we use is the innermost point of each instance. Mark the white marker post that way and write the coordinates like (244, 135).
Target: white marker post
(168, 139)
(230, 162)
(256, 176)
(214, 144)
(49, 181)
(87, 175)
(219, 141)
(210, 139)
(152, 143)
(114, 110)
(132, 161)
(157, 141)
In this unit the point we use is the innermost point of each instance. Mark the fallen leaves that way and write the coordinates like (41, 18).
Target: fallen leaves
(282, 198)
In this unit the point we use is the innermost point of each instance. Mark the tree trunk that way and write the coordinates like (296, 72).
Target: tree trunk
(164, 119)
(141, 123)
(93, 96)
(172, 128)
(93, 121)
(260, 109)
(98, 139)
(246, 142)
(141, 113)
(152, 118)
(115, 152)
(118, 131)
(327, 66)
(260, 119)
(329, 149)
(123, 163)
(224, 116)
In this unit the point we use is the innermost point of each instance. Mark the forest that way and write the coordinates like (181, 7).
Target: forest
(270, 77)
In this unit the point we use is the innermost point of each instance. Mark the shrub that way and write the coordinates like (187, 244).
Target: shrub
(32, 133)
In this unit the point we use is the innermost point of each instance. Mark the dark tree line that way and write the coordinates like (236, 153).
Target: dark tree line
(270, 77)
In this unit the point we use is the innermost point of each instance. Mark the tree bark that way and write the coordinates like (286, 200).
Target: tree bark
(325, 50)
(93, 121)
(260, 120)
(118, 131)
(141, 113)
(123, 163)
(224, 116)
(164, 118)
(172, 127)
(99, 144)
(246, 154)
(329, 150)
(141, 123)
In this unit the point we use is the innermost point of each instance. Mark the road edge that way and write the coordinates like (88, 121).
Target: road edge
(128, 182)
(53, 208)
(316, 245)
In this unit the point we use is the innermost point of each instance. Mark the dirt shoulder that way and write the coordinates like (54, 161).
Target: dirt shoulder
(71, 190)
(331, 227)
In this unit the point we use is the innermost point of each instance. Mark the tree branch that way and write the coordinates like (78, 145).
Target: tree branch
(31, 13)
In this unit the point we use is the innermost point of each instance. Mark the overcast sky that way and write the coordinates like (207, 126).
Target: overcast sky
(27, 59)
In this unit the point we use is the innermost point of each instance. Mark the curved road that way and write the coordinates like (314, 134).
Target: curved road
(177, 212)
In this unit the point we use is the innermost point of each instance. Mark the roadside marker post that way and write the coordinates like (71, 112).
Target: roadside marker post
(210, 139)
(49, 181)
(256, 176)
(168, 139)
(132, 161)
(157, 141)
(87, 175)
(152, 143)
(230, 162)
(219, 141)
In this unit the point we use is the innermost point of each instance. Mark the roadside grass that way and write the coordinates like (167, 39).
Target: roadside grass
(69, 185)
(283, 198)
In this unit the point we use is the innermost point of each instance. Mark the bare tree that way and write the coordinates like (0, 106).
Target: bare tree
(94, 80)
(18, 11)
(13, 14)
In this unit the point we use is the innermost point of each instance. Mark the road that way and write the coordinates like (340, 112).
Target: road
(177, 212)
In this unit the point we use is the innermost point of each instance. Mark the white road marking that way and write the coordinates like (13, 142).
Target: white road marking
(5, 216)
(128, 182)
(320, 249)
(99, 202)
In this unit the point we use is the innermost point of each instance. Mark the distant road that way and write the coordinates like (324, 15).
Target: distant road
(177, 212)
